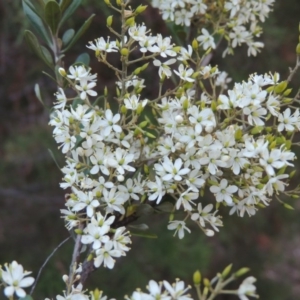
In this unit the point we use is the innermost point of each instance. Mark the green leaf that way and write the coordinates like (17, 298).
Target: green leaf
(52, 15)
(64, 4)
(36, 21)
(166, 207)
(83, 58)
(144, 209)
(40, 51)
(47, 56)
(67, 37)
(145, 235)
(68, 9)
(79, 33)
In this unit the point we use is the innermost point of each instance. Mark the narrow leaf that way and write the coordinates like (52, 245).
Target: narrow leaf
(166, 207)
(37, 92)
(145, 235)
(80, 32)
(35, 47)
(47, 57)
(69, 9)
(67, 37)
(139, 226)
(64, 4)
(52, 15)
(53, 157)
(36, 22)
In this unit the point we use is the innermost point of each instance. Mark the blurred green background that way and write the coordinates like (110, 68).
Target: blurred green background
(30, 198)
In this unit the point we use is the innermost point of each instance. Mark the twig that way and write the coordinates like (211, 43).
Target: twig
(45, 262)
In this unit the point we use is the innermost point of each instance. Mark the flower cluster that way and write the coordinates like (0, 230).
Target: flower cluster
(187, 142)
(239, 24)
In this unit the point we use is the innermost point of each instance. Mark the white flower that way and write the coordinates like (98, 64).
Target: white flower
(172, 170)
(224, 192)
(185, 73)
(164, 68)
(286, 121)
(110, 123)
(85, 88)
(102, 45)
(105, 255)
(13, 277)
(179, 227)
(85, 200)
(206, 40)
(133, 103)
(157, 190)
(177, 290)
(95, 234)
(186, 198)
(247, 288)
(271, 160)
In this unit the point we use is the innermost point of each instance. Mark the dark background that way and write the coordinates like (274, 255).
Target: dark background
(30, 198)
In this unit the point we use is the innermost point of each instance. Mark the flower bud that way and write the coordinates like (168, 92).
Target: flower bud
(241, 272)
(65, 278)
(143, 124)
(206, 282)
(209, 232)
(185, 104)
(141, 8)
(292, 174)
(96, 294)
(78, 231)
(226, 271)
(62, 72)
(146, 169)
(209, 128)
(279, 88)
(144, 66)
(197, 277)
(124, 51)
(179, 119)
(287, 92)
(109, 21)
(137, 71)
(107, 2)
(287, 206)
(90, 257)
(195, 44)
(150, 135)
(120, 178)
(123, 110)
(130, 21)
(139, 109)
